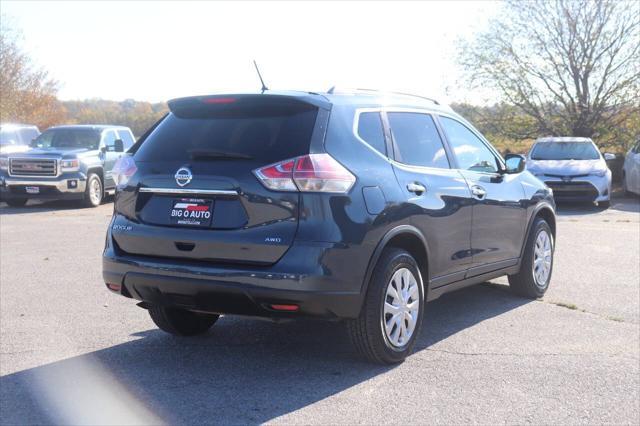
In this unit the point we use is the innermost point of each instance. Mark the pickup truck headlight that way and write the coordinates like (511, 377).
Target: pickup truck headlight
(4, 163)
(70, 165)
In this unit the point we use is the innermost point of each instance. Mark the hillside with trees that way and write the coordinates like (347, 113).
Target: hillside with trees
(564, 67)
(138, 116)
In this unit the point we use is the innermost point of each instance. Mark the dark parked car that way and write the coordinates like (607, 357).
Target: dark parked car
(355, 206)
(65, 162)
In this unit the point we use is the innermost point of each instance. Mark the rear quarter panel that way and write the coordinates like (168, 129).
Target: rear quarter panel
(345, 218)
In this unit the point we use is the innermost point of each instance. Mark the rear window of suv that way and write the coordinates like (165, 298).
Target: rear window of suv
(263, 131)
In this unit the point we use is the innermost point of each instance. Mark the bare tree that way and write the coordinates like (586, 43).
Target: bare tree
(27, 94)
(571, 65)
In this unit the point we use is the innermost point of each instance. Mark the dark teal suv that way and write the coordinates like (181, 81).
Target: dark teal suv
(354, 206)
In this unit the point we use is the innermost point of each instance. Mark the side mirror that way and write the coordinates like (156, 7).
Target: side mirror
(119, 145)
(103, 149)
(516, 163)
(609, 157)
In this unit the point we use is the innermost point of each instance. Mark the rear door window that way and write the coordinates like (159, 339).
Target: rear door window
(370, 131)
(416, 140)
(263, 131)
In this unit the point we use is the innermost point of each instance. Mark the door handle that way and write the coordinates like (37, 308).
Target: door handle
(478, 192)
(416, 188)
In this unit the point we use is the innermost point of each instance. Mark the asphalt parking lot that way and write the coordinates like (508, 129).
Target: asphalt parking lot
(73, 352)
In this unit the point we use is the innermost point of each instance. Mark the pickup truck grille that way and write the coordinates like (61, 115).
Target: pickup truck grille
(33, 167)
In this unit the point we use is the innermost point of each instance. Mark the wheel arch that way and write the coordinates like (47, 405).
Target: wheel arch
(98, 171)
(546, 212)
(408, 238)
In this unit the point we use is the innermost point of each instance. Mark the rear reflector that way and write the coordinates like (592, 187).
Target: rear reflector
(288, 308)
(308, 173)
(114, 287)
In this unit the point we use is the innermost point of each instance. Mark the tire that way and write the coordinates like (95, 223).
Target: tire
(181, 322)
(16, 202)
(604, 204)
(526, 283)
(95, 199)
(368, 332)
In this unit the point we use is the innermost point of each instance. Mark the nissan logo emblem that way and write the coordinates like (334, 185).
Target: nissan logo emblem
(183, 176)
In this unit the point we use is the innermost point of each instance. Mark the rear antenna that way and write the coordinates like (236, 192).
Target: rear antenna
(264, 87)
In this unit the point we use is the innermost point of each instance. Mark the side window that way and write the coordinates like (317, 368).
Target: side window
(370, 130)
(416, 140)
(470, 151)
(126, 137)
(109, 140)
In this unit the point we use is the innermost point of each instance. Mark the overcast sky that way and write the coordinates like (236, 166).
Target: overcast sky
(155, 51)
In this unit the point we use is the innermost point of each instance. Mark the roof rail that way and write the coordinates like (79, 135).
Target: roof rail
(335, 90)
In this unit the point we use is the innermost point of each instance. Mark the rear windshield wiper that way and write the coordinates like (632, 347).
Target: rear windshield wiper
(210, 154)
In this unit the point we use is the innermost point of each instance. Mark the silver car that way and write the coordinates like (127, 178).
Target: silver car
(573, 168)
(631, 170)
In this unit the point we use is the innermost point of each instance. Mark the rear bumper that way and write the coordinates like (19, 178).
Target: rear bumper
(69, 186)
(306, 276)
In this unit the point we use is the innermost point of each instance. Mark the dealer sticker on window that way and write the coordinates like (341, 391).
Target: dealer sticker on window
(191, 212)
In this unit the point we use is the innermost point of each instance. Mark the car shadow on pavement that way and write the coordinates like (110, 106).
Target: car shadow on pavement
(39, 207)
(46, 206)
(578, 209)
(629, 203)
(243, 371)
(619, 202)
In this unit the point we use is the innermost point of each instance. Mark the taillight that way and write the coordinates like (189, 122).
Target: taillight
(122, 171)
(309, 173)
(278, 177)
